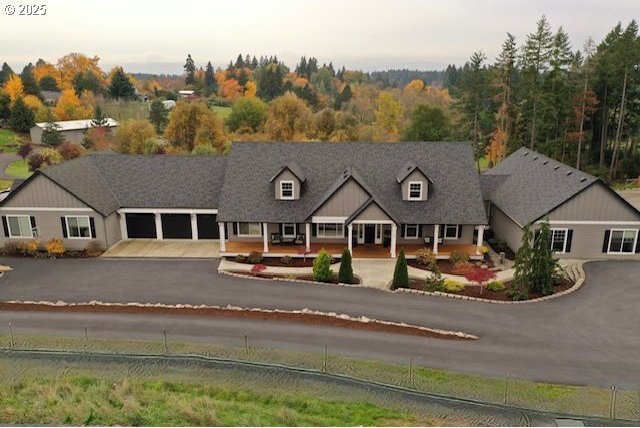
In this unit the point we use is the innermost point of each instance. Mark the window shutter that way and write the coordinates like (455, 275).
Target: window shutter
(33, 225)
(64, 227)
(605, 244)
(402, 230)
(314, 229)
(458, 231)
(419, 230)
(92, 226)
(638, 244)
(281, 229)
(235, 228)
(569, 238)
(5, 226)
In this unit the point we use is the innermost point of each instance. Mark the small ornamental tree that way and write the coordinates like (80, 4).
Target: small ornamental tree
(521, 284)
(401, 272)
(158, 115)
(51, 135)
(479, 275)
(346, 269)
(322, 267)
(25, 150)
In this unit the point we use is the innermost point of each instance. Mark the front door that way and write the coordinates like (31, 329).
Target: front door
(369, 233)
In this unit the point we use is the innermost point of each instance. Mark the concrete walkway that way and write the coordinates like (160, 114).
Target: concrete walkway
(152, 248)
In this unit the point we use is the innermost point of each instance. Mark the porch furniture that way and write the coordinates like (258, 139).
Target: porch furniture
(429, 240)
(300, 240)
(275, 238)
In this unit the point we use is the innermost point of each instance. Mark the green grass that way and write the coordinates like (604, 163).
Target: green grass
(9, 142)
(5, 184)
(484, 163)
(125, 110)
(222, 112)
(19, 169)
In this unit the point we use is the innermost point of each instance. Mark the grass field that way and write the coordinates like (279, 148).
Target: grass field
(9, 142)
(222, 112)
(19, 169)
(125, 110)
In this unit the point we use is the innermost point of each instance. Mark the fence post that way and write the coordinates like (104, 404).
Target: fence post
(10, 335)
(612, 403)
(246, 345)
(166, 349)
(506, 388)
(86, 333)
(411, 371)
(324, 363)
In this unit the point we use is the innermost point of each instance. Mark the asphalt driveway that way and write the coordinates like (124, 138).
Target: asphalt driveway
(591, 336)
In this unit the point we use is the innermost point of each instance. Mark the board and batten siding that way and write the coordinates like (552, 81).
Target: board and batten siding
(588, 241)
(415, 176)
(344, 202)
(43, 192)
(595, 203)
(372, 213)
(504, 228)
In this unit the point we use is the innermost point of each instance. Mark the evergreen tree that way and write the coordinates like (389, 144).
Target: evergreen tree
(270, 81)
(428, 124)
(158, 115)
(29, 82)
(5, 106)
(301, 67)
(22, 117)
(345, 274)
(473, 93)
(189, 71)
(48, 83)
(121, 86)
(5, 73)
(522, 277)
(210, 82)
(99, 119)
(242, 77)
(343, 97)
(543, 262)
(254, 63)
(51, 135)
(557, 90)
(401, 272)
(312, 67)
(586, 71)
(239, 62)
(322, 267)
(87, 81)
(504, 71)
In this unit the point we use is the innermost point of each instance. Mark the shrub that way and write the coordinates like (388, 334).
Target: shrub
(425, 257)
(322, 267)
(496, 286)
(459, 257)
(28, 248)
(401, 273)
(345, 274)
(71, 150)
(255, 257)
(434, 282)
(453, 286)
(240, 258)
(462, 268)
(484, 249)
(12, 248)
(93, 249)
(286, 260)
(258, 268)
(55, 247)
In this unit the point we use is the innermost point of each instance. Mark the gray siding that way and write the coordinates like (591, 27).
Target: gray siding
(42, 192)
(286, 175)
(112, 229)
(372, 213)
(415, 176)
(504, 228)
(595, 203)
(344, 202)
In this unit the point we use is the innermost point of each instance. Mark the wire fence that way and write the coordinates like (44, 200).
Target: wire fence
(511, 401)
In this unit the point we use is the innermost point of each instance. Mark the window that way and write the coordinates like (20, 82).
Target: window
(451, 231)
(20, 226)
(411, 231)
(415, 190)
(623, 241)
(249, 229)
(330, 230)
(286, 189)
(559, 240)
(289, 230)
(78, 227)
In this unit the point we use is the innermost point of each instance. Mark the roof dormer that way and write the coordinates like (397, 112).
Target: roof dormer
(414, 183)
(288, 182)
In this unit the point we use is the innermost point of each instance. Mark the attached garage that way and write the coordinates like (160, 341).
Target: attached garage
(176, 226)
(141, 225)
(208, 226)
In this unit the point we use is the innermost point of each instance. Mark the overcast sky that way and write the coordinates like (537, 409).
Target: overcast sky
(155, 36)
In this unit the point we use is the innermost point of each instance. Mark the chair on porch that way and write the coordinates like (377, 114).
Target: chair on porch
(275, 238)
(300, 239)
(429, 240)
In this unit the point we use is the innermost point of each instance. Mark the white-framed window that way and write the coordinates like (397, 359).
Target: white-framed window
(249, 229)
(451, 231)
(559, 240)
(286, 189)
(78, 227)
(411, 231)
(289, 230)
(19, 226)
(622, 241)
(330, 230)
(415, 190)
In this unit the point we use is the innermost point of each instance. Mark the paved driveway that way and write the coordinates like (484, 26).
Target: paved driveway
(591, 336)
(168, 248)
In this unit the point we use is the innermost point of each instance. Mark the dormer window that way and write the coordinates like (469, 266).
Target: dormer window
(286, 189)
(415, 190)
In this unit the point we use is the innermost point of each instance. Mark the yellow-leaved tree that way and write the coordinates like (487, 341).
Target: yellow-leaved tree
(288, 118)
(14, 87)
(250, 89)
(497, 148)
(188, 124)
(133, 135)
(388, 113)
(70, 107)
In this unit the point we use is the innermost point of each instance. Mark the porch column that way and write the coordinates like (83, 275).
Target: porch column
(480, 238)
(436, 236)
(194, 227)
(265, 238)
(307, 236)
(223, 244)
(158, 226)
(350, 238)
(123, 226)
(394, 232)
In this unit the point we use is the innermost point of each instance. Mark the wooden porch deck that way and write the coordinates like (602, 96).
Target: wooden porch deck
(364, 251)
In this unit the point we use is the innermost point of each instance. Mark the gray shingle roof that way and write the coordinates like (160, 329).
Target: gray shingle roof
(107, 182)
(407, 169)
(527, 185)
(295, 169)
(248, 195)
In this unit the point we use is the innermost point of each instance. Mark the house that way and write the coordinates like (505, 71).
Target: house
(588, 219)
(374, 198)
(71, 130)
(108, 197)
(50, 97)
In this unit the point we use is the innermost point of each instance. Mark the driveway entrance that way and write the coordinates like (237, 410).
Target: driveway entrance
(167, 248)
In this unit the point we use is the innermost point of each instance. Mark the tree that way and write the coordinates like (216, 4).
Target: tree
(504, 71)
(543, 262)
(14, 87)
(51, 135)
(473, 93)
(288, 118)
(69, 150)
(70, 107)
(25, 150)
(522, 277)
(121, 86)
(247, 114)
(388, 113)
(211, 133)
(48, 83)
(428, 124)
(5, 73)
(87, 81)
(158, 115)
(210, 82)
(185, 123)
(479, 275)
(99, 119)
(343, 97)
(345, 274)
(322, 267)
(401, 272)
(324, 124)
(132, 135)
(29, 82)
(71, 65)
(270, 81)
(189, 71)
(588, 100)
(22, 117)
(5, 105)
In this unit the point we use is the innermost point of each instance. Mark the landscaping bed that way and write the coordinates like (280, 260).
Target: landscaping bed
(445, 266)
(474, 290)
(279, 262)
(295, 277)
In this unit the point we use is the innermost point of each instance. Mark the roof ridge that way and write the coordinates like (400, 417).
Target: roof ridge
(105, 181)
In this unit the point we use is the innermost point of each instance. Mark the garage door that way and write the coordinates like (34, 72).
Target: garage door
(208, 226)
(141, 226)
(176, 226)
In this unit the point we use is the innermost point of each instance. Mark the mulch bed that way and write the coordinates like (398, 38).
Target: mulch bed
(474, 290)
(275, 262)
(445, 266)
(315, 319)
(45, 255)
(302, 277)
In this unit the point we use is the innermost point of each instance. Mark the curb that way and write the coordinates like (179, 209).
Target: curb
(242, 275)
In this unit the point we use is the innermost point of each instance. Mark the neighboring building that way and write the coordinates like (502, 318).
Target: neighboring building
(188, 94)
(72, 130)
(50, 97)
(168, 104)
(587, 218)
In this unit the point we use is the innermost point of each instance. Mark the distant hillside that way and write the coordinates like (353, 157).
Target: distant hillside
(400, 78)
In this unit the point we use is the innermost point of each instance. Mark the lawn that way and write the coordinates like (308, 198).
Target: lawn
(5, 184)
(9, 142)
(222, 112)
(18, 169)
